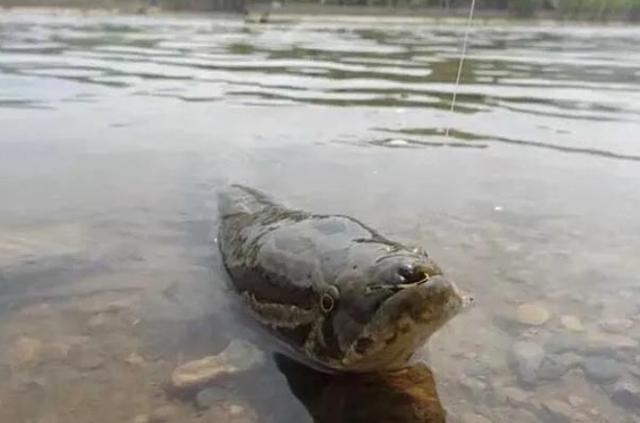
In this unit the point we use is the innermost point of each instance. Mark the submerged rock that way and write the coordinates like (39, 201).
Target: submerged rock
(237, 357)
(532, 314)
(474, 386)
(626, 393)
(575, 400)
(163, 414)
(527, 358)
(474, 418)
(25, 351)
(514, 396)
(572, 323)
(555, 366)
(590, 344)
(556, 411)
(135, 360)
(616, 325)
(210, 396)
(231, 413)
(602, 370)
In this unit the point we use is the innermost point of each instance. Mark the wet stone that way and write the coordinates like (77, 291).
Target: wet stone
(562, 343)
(603, 343)
(625, 393)
(532, 314)
(25, 351)
(478, 369)
(90, 361)
(593, 344)
(555, 411)
(163, 414)
(572, 323)
(97, 321)
(237, 357)
(634, 370)
(515, 396)
(135, 360)
(208, 397)
(602, 370)
(527, 358)
(616, 326)
(474, 386)
(575, 400)
(555, 366)
(231, 413)
(474, 418)
(57, 351)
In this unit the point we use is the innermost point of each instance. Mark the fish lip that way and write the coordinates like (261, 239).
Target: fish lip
(352, 358)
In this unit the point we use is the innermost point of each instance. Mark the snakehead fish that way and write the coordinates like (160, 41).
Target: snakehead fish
(344, 297)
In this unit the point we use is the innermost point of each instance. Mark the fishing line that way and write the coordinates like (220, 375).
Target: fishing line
(461, 62)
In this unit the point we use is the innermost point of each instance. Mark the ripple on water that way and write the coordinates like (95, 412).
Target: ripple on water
(117, 131)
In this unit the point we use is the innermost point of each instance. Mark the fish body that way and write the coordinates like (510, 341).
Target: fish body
(341, 295)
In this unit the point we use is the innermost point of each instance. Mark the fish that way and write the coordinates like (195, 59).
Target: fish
(341, 296)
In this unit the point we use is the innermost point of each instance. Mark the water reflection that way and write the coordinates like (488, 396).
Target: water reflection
(408, 396)
(432, 134)
(116, 132)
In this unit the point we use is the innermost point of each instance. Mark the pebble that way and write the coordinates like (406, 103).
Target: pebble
(626, 393)
(135, 360)
(572, 323)
(97, 320)
(561, 343)
(532, 314)
(25, 351)
(616, 325)
(478, 369)
(165, 413)
(556, 411)
(57, 350)
(89, 361)
(515, 396)
(231, 413)
(210, 396)
(474, 386)
(527, 357)
(575, 400)
(237, 357)
(610, 343)
(555, 366)
(474, 418)
(592, 344)
(602, 370)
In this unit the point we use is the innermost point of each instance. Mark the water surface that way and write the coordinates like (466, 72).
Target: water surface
(117, 131)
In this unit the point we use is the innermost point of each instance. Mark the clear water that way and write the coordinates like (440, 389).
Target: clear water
(116, 132)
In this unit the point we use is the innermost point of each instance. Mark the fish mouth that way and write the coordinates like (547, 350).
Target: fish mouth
(402, 324)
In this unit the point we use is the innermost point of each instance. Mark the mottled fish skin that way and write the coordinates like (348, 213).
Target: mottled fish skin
(344, 297)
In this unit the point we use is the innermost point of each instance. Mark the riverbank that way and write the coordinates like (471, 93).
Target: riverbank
(297, 12)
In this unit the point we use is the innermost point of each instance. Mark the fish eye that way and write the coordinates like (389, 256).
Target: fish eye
(413, 274)
(329, 298)
(326, 302)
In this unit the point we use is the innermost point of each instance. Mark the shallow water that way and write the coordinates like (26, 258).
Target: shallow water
(117, 131)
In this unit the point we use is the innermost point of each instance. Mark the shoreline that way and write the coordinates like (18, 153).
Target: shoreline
(313, 12)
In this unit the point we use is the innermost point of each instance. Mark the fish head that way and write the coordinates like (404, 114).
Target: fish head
(384, 311)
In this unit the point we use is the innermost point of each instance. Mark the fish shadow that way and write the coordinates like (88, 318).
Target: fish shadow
(405, 396)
